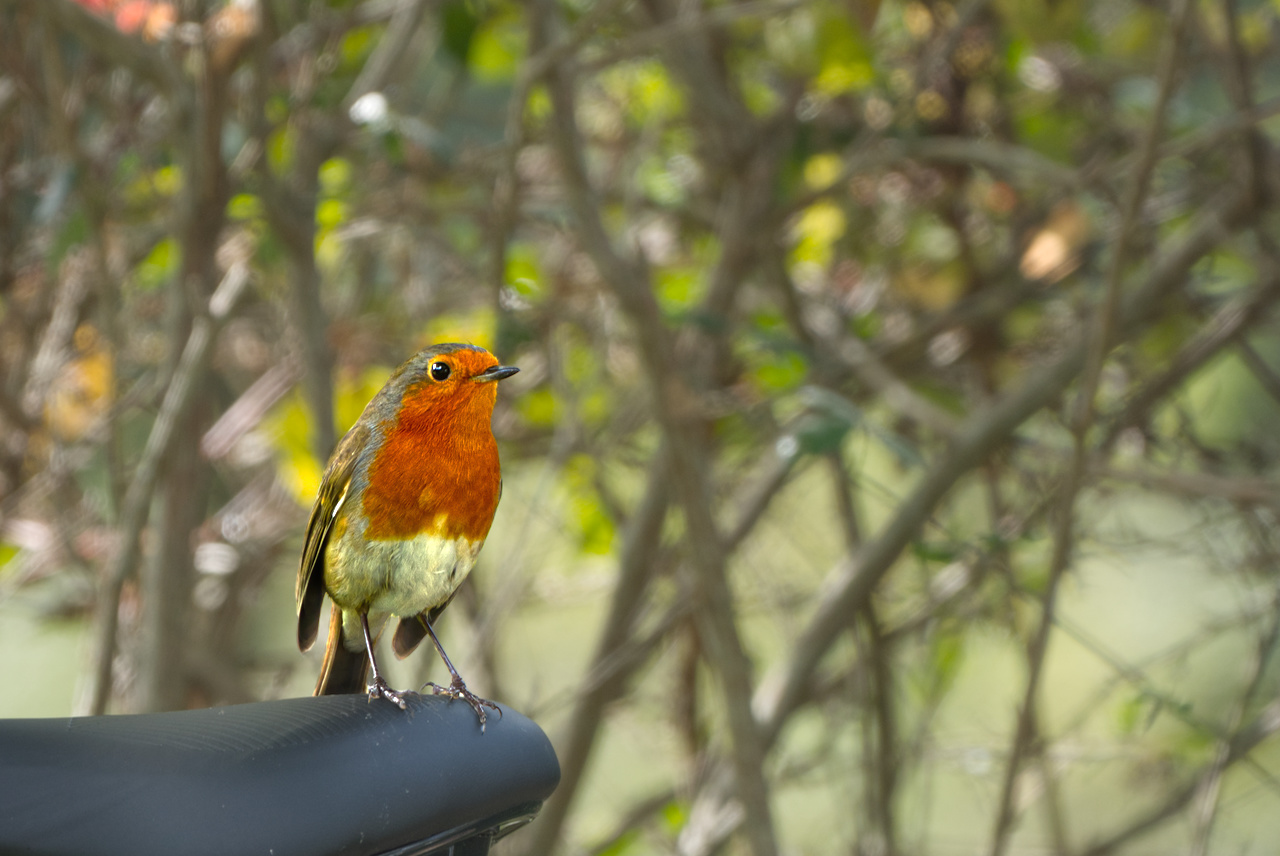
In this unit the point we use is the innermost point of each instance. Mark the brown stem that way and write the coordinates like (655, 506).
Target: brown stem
(178, 401)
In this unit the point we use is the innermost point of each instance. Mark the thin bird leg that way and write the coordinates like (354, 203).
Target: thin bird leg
(457, 689)
(379, 686)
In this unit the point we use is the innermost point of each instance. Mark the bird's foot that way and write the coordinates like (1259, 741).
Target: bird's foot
(458, 690)
(379, 689)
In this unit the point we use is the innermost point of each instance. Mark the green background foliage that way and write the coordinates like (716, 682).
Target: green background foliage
(890, 469)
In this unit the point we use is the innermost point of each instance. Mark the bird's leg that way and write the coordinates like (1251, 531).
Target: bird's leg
(457, 689)
(379, 685)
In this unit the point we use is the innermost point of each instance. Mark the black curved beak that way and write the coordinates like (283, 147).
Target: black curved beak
(495, 373)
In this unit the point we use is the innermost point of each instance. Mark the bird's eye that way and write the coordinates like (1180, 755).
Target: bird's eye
(439, 371)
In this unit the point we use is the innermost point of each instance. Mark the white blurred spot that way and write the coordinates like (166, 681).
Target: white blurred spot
(945, 348)
(369, 109)
(210, 593)
(949, 581)
(1039, 74)
(235, 528)
(976, 761)
(216, 558)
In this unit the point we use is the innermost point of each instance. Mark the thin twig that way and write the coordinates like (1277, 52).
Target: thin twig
(1238, 490)
(1266, 376)
(395, 40)
(853, 579)
(1106, 322)
(636, 817)
(247, 411)
(882, 725)
(677, 416)
(506, 187)
(1207, 798)
(1253, 149)
(177, 403)
(1245, 741)
(635, 567)
(1226, 327)
(1018, 163)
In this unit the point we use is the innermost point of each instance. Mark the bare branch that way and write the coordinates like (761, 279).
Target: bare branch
(1208, 793)
(1025, 738)
(1241, 744)
(680, 426)
(400, 31)
(851, 582)
(1227, 327)
(249, 409)
(177, 403)
(635, 572)
(56, 341)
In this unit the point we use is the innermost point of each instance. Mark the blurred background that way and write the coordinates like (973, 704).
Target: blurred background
(891, 466)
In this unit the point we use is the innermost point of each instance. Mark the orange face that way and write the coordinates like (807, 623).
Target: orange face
(449, 393)
(437, 472)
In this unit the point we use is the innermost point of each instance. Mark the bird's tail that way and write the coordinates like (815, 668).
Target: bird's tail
(344, 670)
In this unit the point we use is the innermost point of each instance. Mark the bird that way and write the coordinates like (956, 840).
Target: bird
(404, 506)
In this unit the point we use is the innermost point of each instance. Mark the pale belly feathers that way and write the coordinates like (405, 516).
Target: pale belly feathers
(397, 577)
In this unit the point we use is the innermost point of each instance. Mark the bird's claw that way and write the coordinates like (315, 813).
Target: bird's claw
(458, 690)
(379, 689)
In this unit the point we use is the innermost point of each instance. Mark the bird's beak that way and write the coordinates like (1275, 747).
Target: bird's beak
(495, 373)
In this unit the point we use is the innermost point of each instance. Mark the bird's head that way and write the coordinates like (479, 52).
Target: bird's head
(452, 381)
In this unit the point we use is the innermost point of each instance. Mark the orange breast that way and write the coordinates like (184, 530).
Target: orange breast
(437, 472)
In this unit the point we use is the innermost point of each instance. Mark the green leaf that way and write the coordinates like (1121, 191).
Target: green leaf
(933, 551)
(821, 434)
(331, 213)
(280, 149)
(355, 47)
(623, 844)
(497, 47)
(817, 228)
(458, 27)
(335, 176)
(674, 816)
(780, 371)
(1139, 713)
(244, 206)
(679, 289)
(844, 58)
(594, 528)
(8, 552)
(539, 408)
(823, 400)
(659, 183)
(159, 266)
(946, 656)
(829, 420)
(646, 90)
(523, 274)
(822, 170)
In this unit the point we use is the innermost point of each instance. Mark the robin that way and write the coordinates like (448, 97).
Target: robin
(404, 507)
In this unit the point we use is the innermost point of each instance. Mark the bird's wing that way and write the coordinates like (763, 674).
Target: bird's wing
(333, 490)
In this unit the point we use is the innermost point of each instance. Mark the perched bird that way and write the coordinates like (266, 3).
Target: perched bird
(404, 507)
